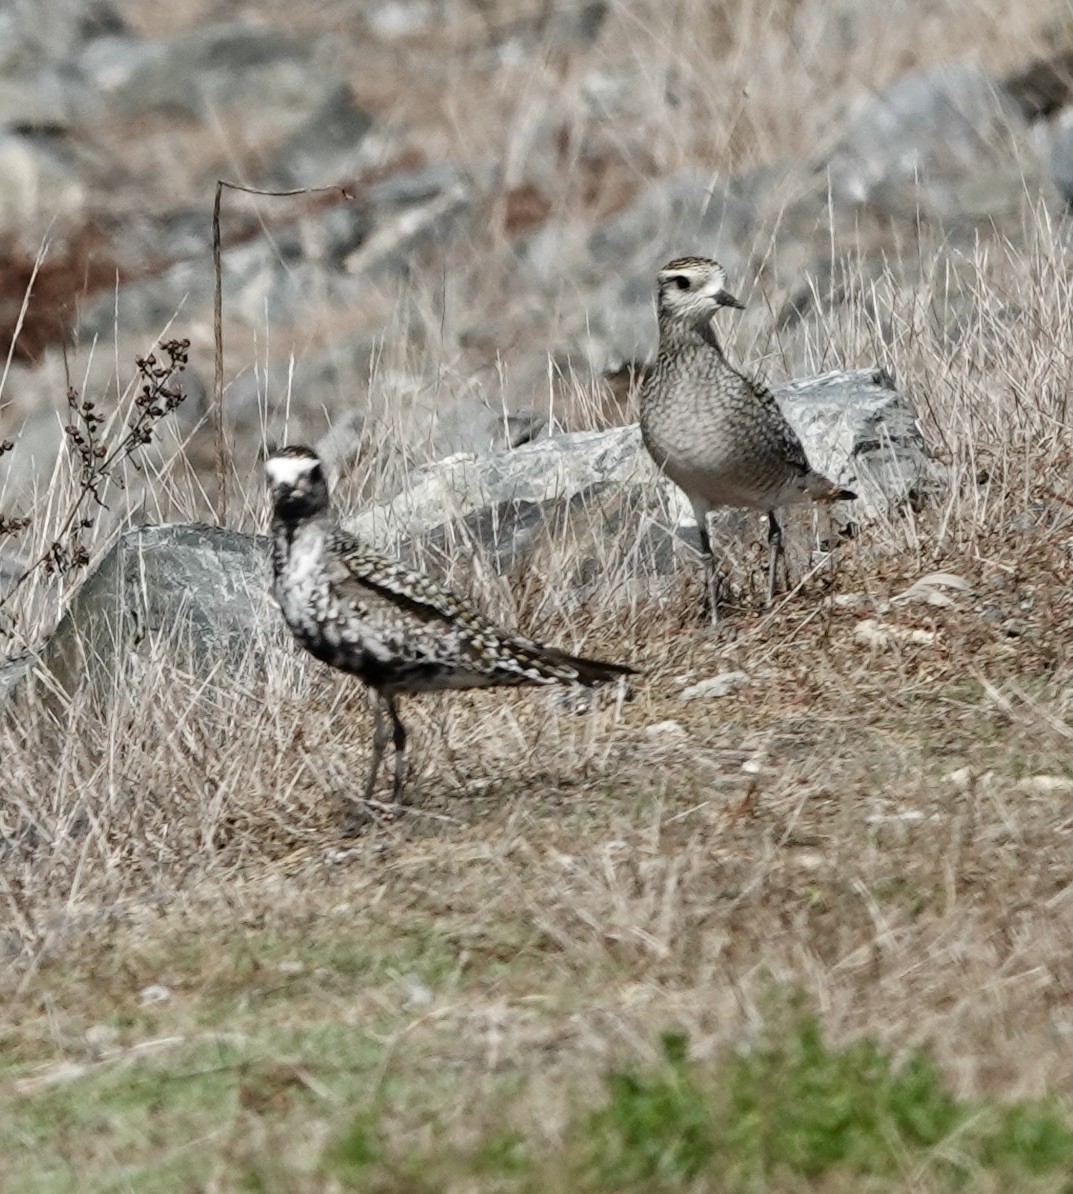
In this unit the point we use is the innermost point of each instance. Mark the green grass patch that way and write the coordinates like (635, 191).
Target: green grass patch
(790, 1112)
(794, 1107)
(263, 1076)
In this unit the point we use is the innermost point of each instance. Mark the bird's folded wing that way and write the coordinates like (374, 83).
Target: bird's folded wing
(412, 591)
(791, 447)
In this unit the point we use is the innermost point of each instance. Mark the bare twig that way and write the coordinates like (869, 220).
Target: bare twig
(217, 323)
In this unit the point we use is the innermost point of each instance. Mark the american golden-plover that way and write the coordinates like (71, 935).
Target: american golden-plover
(392, 627)
(719, 435)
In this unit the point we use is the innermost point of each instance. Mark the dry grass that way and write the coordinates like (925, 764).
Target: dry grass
(884, 827)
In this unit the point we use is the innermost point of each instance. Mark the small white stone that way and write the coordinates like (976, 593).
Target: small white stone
(291, 967)
(101, 1037)
(1046, 785)
(154, 993)
(965, 778)
(927, 588)
(417, 993)
(715, 686)
(873, 633)
(665, 729)
(398, 19)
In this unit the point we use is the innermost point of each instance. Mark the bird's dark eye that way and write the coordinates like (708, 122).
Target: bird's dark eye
(681, 281)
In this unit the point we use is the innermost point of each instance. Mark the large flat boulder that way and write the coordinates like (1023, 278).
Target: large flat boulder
(855, 425)
(598, 496)
(199, 594)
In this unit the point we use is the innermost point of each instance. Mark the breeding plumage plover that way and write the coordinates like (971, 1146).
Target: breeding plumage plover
(719, 435)
(392, 627)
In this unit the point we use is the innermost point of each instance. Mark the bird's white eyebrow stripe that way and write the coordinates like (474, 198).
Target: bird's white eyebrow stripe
(288, 470)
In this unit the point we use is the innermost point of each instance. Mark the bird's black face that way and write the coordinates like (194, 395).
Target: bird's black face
(297, 483)
(692, 289)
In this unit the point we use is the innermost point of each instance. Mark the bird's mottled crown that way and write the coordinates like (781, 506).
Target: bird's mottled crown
(680, 264)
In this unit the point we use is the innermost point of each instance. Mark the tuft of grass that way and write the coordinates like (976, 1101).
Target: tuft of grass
(794, 1106)
(656, 1128)
(356, 1151)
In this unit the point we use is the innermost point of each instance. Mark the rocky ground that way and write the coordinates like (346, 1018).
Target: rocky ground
(514, 172)
(853, 806)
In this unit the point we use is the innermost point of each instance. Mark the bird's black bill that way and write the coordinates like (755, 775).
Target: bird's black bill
(725, 299)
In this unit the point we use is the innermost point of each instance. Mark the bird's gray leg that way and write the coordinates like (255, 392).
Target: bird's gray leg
(775, 554)
(380, 737)
(399, 739)
(363, 813)
(711, 572)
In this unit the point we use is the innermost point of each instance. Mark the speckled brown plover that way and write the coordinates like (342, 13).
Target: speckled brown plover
(392, 627)
(718, 434)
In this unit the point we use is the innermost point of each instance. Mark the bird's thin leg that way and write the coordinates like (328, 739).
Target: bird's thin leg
(401, 759)
(380, 737)
(775, 554)
(711, 572)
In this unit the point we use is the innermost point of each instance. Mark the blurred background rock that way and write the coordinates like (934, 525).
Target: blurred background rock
(515, 171)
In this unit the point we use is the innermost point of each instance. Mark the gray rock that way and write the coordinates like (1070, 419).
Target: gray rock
(858, 429)
(260, 278)
(714, 687)
(330, 235)
(406, 187)
(602, 489)
(607, 530)
(26, 470)
(948, 144)
(399, 18)
(333, 234)
(555, 28)
(326, 381)
(1062, 156)
(48, 101)
(13, 672)
(38, 183)
(151, 304)
(342, 443)
(471, 425)
(198, 594)
(689, 213)
(327, 147)
(551, 470)
(34, 33)
(269, 281)
(398, 237)
(265, 74)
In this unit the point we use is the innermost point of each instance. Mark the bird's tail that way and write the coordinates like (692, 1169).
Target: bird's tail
(823, 489)
(578, 670)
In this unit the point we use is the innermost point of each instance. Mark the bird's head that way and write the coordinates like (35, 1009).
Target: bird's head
(691, 290)
(297, 482)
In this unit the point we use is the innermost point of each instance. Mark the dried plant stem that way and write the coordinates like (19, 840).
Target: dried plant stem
(220, 445)
(160, 395)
